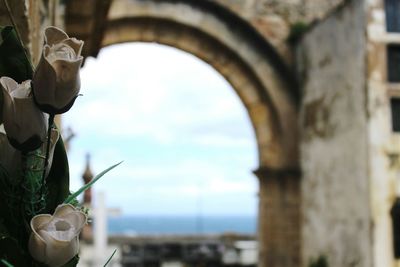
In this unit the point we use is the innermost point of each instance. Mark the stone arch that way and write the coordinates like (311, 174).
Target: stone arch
(234, 49)
(261, 80)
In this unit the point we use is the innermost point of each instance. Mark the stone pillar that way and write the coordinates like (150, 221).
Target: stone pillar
(279, 233)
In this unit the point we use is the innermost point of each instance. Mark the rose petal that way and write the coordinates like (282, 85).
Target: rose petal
(78, 219)
(37, 244)
(61, 230)
(44, 79)
(63, 209)
(54, 35)
(59, 252)
(22, 90)
(27, 126)
(61, 51)
(37, 247)
(75, 44)
(40, 221)
(8, 83)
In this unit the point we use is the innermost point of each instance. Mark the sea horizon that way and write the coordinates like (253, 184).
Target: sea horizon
(153, 224)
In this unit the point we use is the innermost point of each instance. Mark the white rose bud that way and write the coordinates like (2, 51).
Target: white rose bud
(56, 81)
(54, 239)
(24, 123)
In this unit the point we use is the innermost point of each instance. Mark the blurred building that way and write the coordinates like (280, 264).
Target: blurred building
(87, 176)
(320, 81)
(187, 251)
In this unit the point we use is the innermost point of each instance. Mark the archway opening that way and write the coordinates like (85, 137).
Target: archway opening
(186, 140)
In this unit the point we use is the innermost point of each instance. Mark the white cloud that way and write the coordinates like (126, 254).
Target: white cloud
(159, 100)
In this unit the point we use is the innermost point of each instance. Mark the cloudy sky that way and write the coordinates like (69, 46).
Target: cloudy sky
(184, 136)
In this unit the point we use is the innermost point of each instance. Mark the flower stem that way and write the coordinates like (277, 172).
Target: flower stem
(46, 161)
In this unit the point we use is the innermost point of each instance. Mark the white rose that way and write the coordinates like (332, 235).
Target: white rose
(24, 123)
(56, 81)
(54, 239)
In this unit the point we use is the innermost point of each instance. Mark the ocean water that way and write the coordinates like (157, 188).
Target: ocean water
(181, 224)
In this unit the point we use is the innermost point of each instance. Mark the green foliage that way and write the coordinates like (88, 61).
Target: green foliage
(84, 210)
(88, 185)
(12, 252)
(58, 178)
(33, 194)
(75, 203)
(296, 31)
(14, 228)
(6, 263)
(13, 60)
(321, 261)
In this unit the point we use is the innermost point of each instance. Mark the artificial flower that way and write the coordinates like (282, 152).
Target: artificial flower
(54, 239)
(56, 81)
(24, 123)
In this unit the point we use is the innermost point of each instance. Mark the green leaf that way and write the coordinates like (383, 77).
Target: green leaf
(4, 208)
(13, 60)
(109, 259)
(11, 252)
(58, 179)
(6, 263)
(88, 185)
(10, 225)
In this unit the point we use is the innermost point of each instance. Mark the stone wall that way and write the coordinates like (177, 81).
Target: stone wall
(42, 14)
(19, 11)
(335, 186)
(275, 19)
(291, 11)
(31, 17)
